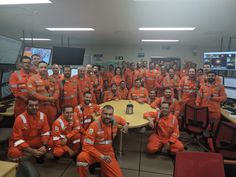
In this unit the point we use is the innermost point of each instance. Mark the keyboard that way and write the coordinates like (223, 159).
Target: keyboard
(230, 109)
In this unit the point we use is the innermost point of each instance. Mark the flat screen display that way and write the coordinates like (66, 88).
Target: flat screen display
(44, 53)
(9, 50)
(68, 56)
(50, 72)
(230, 82)
(221, 60)
(6, 76)
(5, 91)
(74, 72)
(231, 93)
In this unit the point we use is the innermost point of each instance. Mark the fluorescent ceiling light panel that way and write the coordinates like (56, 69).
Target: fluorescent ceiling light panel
(159, 40)
(35, 39)
(15, 2)
(168, 29)
(70, 29)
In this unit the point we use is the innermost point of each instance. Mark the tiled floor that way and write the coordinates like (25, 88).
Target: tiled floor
(133, 163)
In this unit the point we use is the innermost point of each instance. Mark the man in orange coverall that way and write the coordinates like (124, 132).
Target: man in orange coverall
(85, 112)
(123, 91)
(46, 90)
(168, 98)
(150, 77)
(97, 145)
(112, 94)
(30, 134)
(138, 93)
(69, 90)
(211, 95)
(166, 131)
(206, 70)
(18, 85)
(188, 88)
(66, 134)
(130, 75)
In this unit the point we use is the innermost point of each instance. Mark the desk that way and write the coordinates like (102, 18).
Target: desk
(135, 120)
(7, 169)
(9, 112)
(227, 115)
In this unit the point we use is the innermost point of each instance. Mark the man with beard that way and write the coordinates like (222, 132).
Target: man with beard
(123, 91)
(211, 95)
(112, 94)
(46, 90)
(85, 112)
(97, 146)
(138, 93)
(30, 134)
(69, 95)
(166, 131)
(66, 134)
(18, 85)
(206, 70)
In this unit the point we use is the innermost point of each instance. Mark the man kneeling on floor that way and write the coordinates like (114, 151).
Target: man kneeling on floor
(30, 134)
(97, 146)
(166, 131)
(66, 134)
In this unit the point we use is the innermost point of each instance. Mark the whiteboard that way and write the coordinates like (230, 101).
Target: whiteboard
(9, 50)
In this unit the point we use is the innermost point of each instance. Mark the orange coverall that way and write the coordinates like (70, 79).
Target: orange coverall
(69, 92)
(166, 130)
(108, 76)
(123, 93)
(18, 85)
(43, 89)
(138, 94)
(173, 103)
(172, 83)
(98, 142)
(150, 77)
(97, 83)
(117, 79)
(85, 115)
(129, 78)
(29, 131)
(61, 129)
(203, 80)
(211, 96)
(109, 95)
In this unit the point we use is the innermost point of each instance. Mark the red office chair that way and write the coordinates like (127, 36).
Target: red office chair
(195, 122)
(199, 164)
(224, 141)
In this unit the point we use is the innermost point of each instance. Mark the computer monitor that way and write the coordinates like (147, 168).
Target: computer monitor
(44, 53)
(50, 72)
(6, 76)
(74, 72)
(221, 60)
(5, 91)
(10, 50)
(231, 93)
(221, 79)
(230, 82)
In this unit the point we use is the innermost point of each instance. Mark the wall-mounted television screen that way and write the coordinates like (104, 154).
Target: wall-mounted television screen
(221, 60)
(9, 50)
(44, 53)
(68, 56)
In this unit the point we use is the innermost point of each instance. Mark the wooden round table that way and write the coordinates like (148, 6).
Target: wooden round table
(135, 120)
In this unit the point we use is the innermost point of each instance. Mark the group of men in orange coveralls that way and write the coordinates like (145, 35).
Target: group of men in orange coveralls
(62, 113)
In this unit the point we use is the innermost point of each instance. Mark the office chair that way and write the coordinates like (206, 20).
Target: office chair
(26, 169)
(198, 164)
(224, 141)
(195, 122)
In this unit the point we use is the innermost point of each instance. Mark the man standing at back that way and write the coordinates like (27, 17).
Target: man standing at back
(46, 90)
(18, 85)
(36, 58)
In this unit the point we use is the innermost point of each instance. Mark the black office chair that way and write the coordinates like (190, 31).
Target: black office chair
(5, 134)
(26, 169)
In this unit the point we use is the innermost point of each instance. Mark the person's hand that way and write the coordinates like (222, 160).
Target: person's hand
(36, 153)
(42, 149)
(166, 147)
(71, 152)
(106, 158)
(151, 123)
(64, 141)
(125, 128)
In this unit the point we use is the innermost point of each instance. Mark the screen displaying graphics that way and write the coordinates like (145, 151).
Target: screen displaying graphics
(45, 54)
(50, 72)
(221, 60)
(74, 72)
(230, 82)
(231, 93)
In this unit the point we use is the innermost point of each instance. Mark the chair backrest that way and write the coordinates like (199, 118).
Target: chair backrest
(199, 164)
(26, 169)
(224, 140)
(196, 118)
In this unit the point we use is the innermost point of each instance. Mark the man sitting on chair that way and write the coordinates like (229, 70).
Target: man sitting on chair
(166, 131)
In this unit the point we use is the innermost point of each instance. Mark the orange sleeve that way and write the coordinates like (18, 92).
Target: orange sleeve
(120, 120)
(199, 97)
(175, 134)
(177, 109)
(56, 92)
(45, 131)
(79, 116)
(156, 103)
(150, 114)
(222, 95)
(76, 128)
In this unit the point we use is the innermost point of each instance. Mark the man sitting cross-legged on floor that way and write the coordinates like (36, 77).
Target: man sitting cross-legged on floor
(166, 131)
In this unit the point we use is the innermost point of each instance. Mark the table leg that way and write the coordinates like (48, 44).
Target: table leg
(120, 151)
